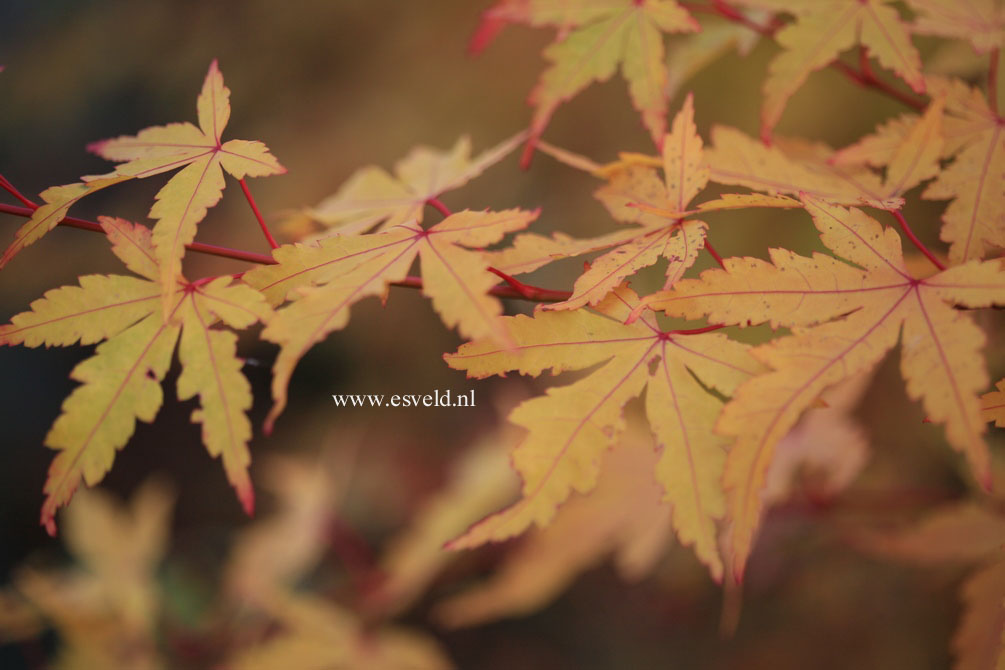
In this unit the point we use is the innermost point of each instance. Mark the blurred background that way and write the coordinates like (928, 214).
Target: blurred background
(334, 86)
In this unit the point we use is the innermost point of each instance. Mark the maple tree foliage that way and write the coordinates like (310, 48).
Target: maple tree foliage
(676, 424)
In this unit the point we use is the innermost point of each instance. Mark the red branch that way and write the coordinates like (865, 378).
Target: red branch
(914, 239)
(533, 293)
(198, 247)
(9, 187)
(258, 215)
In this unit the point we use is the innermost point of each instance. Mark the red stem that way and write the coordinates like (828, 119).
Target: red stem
(9, 187)
(867, 79)
(439, 207)
(696, 331)
(993, 80)
(532, 292)
(258, 215)
(715, 254)
(536, 294)
(914, 239)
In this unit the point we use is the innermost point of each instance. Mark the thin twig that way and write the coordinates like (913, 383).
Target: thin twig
(538, 294)
(914, 239)
(258, 215)
(198, 247)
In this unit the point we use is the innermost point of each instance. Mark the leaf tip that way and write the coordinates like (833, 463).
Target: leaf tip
(246, 494)
(97, 147)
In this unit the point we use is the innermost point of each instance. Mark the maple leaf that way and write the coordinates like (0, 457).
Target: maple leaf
(595, 39)
(372, 197)
(822, 30)
(203, 156)
(909, 147)
(624, 514)
(975, 219)
(844, 319)
(349, 268)
(993, 405)
(980, 21)
(791, 167)
(106, 608)
(121, 381)
(788, 166)
(572, 425)
(631, 195)
(319, 634)
(962, 533)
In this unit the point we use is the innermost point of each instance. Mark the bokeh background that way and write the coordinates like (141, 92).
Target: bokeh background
(334, 86)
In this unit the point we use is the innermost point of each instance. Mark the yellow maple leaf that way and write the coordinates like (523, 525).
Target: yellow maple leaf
(121, 381)
(572, 425)
(788, 166)
(625, 515)
(637, 194)
(844, 319)
(595, 39)
(373, 197)
(982, 22)
(975, 220)
(203, 156)
(348, 268)
(822, 30)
